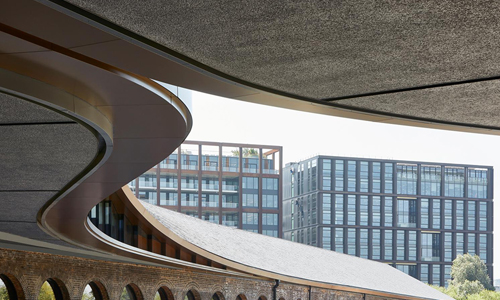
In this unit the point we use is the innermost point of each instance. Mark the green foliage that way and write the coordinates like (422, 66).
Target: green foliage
(125, 295)
(4, 295)
(46, 292)
(88, 296)
(470, 268)
(246, 152)
(157, 296)
(470, 280)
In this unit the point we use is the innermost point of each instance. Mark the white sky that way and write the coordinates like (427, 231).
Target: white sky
(304, 135)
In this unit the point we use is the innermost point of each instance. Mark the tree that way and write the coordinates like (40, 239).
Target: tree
(470, 268)
(4, 295)
(485, 295)
(46, 292)
(246, 152)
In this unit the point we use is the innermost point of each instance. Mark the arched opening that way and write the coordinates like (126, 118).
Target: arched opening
(164, 293)
(10, 288)
(53, 289)
(131, 292)
(218, 296)
(241, 297)
(281, 298)
(192, 294)
(262, 298)
(95, 291)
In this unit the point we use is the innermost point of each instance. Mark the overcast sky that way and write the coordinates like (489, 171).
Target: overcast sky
(304, 135)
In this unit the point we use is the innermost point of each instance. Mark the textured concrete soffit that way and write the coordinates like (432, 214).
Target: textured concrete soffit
(291, 259)
(323, 49)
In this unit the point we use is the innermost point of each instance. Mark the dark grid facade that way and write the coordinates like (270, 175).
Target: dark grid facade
(416, 216)
(236, 185)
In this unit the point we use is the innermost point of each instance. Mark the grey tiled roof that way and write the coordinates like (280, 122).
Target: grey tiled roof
(291, 259)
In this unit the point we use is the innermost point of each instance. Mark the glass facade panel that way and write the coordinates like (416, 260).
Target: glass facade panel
(339, 175)
(339, 240)
(363, 243)
(471, 215)
(483, 215)
(388, 245)
(424, 213)
(327, 209)
(339, 209)
(327, 174)
(431, 246)
(448, 214)
(454, 180)
(375, 243)
(363, 176)
(376, 209)
(388, 221)
(400, 245)
(412, 245)
(230, 219)
(351, 209)
(460, 243)
(376, 177)
(351, 176)
(209, 216)
(477, 183)
(168, 198)
(436, 213)
(406, 179)
(471, 243)
(448, 243)
(270, 224)
(424, 273)
(407, 213)
(430, 180)
(363, 210)
(327, 238)
(459, 215)
(388, 178)
(351, 241)
(483, 247)
(436, 274)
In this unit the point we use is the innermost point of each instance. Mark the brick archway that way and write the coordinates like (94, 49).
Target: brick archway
(14, 288)
(192, 294)
(165, 293)
(218, 296)
(241, 297)
(59, 289)
(98, 290)
(133, 291)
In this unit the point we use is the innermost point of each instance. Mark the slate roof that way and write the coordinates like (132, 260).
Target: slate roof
(291, 259)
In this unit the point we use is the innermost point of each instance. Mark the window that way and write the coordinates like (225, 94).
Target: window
(412, 245)
(376, 211)
(406, 179)
(436, 274)
(459, 217)
(471, 243)
(351, 209)
(430, 180)
(269, 184)
(436, 213)
(363, 176)
(250, 200)
(471, 215)
(363, 243)
(388, 178)
(388, 212)
(460, 243)
(400, 245)
(210, 200)
(351, 176)
(339, 209)
(270, 201)
(327, 209)
(250, 183)
(327, 174)
(448, 255)
(189, 199)
(431, 246)
(327, 238)
(483, 246)
(249, 219)
(447, 274)
(230, 219)
(363, 210)
(212, 217)
(168, 198)
(483, 215)
(448, 214)
(407, 213)
(339, 175)
(351, 241)
(477, 183)
(424, 273)
(424, 213)
(408, 269)
(376, 176)
(376, 244)
(454, 179)
(388, 244)
(339, 240)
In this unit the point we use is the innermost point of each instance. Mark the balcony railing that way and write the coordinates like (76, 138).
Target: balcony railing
(230, 169)
(168, 166)
(169, 185)
(210, 186)
(210, 204)
(229, 205)
(270, 171)
(189, 167)
(189, 203)
(210, 168)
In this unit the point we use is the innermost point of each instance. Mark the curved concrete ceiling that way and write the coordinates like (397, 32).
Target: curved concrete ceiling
(428, 61)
